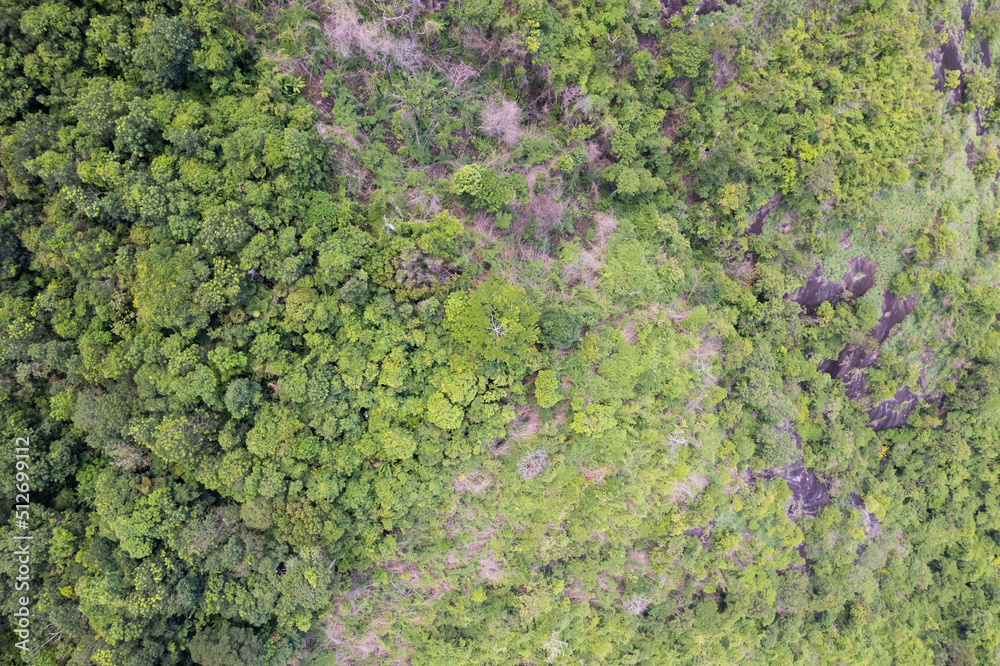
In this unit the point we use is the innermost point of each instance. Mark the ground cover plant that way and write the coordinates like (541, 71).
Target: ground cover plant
(479, 332)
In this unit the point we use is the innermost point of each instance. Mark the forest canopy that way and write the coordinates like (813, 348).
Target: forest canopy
(473, 332)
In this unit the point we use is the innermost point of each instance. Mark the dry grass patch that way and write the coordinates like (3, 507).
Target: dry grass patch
(690, 488)
(356, 648)
(629, 332)
(584, 270)
(526, 423)
(604, 225)
(544, 208)
(491, 570)
(474, 482)
(347, 32)
(575, 593)
(593, 474)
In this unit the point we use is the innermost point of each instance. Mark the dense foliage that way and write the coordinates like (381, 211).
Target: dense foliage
(502, 333)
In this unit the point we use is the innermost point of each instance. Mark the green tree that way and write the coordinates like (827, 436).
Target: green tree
(163, 54)
(496, 322)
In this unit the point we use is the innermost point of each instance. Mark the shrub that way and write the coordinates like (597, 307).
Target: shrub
(483, 189)
(560, 327)
(479, 13)
(546, 389)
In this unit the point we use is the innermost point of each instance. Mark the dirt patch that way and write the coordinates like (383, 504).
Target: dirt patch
(525, 424)
(474, 482)
(593, 474)
(970, 159)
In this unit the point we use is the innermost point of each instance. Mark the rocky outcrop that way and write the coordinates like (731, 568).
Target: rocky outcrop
(809, 495)
(758, 222)
(893, 412)
(858, 279)
(854, 360)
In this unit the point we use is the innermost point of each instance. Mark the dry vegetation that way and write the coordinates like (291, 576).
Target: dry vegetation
(502, 121)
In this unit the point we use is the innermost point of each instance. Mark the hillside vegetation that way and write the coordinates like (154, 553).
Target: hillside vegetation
(501, 333)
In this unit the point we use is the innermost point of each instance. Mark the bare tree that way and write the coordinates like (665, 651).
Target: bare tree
(676, 441)
(502, 121)
(496, 327)
(637, 605)
(555, 647)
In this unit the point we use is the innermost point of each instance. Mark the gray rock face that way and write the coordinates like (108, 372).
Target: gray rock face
(808, 493)
(762, 213)
(894, 311)
(816, 290)
(893, 412)
(854, 360)
(859, 278)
